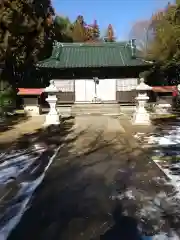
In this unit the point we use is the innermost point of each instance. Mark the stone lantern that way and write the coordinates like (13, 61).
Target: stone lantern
(52, 118)
(178, 87)
(141, 116)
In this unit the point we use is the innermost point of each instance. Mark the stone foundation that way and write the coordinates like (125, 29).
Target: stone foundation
(163, 108)
(65, 110)
(31, 107)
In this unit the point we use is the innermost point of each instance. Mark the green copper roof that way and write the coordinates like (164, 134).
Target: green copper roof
(82, 55)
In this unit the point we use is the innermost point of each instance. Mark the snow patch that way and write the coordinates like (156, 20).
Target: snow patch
(167, 144)
(13, 165)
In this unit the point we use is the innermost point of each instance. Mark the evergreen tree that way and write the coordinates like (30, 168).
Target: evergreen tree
(63, 29)
(95, 31)
(78, 30)
(7, 97)
(109, 37)
(25, 35)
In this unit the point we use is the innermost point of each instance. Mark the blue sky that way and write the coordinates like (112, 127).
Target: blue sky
(120, 13)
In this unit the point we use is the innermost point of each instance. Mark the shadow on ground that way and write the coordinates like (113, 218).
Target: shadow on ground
(125, 227)
(50, 136)
(40, 144)
(75, 200)
(26, 160)
(11, 120)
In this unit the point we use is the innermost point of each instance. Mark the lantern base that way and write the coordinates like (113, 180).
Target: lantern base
(141, 118)
(52, 120)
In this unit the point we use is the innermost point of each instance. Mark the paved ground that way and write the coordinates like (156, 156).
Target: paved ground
(75, 199)
(29, 125)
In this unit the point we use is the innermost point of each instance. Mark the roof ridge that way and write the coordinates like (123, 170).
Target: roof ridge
(104, 44)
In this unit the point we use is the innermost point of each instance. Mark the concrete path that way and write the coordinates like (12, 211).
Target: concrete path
(92, 132)
(27, 126)
(75, 199)
(105, 123)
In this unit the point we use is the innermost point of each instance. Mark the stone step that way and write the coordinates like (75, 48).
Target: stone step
(95, 105)
(97, 109)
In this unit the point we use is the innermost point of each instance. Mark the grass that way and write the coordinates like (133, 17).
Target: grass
(172, 158)
(159, 116)
(10, 121)
(19, 111)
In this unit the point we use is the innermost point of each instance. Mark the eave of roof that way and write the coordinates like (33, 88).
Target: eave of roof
(30, 91)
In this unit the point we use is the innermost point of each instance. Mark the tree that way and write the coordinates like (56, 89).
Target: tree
(7, 97)
(164, 46)
(25, 35)
(63, 29)
(83, 32)
(166, 26)
(95, 31)
(142, 32)
(109, 36)
(78, 30)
